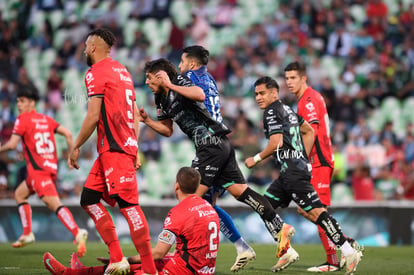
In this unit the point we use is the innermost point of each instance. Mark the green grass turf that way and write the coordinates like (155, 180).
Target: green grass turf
(377, 260)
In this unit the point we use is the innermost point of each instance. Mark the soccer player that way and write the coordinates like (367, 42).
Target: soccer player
(192, 224)
(111, 109)
(178, 99)
(194, 60)
(36, 131)
(290, 142)
(311, 106)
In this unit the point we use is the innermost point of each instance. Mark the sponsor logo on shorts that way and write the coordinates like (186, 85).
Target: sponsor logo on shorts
(108, 171)
(126, 179)
(322, 185)
(45, 183)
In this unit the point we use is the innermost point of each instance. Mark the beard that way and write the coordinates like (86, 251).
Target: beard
(89, 60)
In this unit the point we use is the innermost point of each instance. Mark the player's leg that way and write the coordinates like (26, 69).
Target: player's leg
(307, 198)
(321, 179)
(124, 190)
(332, 263)
(91, 196)
(276, 196)
(56, 268)
(244, 252)
(25, 211)
(45, 187)
(210, 161)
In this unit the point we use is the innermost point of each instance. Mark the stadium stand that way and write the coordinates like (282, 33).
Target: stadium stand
(237, 58)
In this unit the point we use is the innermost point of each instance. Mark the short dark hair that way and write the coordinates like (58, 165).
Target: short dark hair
(189, 179)
(198, 52)
(270, 82)
(105, 34)
(161, 64)
(296, 66)
(29, 93)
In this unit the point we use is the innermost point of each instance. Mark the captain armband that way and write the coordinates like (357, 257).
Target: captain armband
(167, 237)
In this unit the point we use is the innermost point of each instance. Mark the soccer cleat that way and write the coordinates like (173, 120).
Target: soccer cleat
(24, 240)
(243, 259)
(75, 263)
(325, 267)
(352, 261)
(284, 236)
(119, 268)
(356, 246)
(287, 259)
(53, 265)
(80, 241)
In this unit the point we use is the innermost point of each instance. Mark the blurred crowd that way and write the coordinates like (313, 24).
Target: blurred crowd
(359, 55)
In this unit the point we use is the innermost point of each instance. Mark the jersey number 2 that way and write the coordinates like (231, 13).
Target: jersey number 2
(212, 226)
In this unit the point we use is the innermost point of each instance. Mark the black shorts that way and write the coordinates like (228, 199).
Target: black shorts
(293, 187)
(216, 162)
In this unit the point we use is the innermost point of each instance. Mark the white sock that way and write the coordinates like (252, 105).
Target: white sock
(241, 245)
(347, 249)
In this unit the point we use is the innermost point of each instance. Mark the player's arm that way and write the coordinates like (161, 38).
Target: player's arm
(61, 130)
(275, 142)
(191, 92)
(11, 144)
(308, 136)
(88, 126)
(163, 127)
(136, 128)
(163, 246)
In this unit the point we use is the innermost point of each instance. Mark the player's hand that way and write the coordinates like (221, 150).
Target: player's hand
(137, 162)
(73, 158)
(162, 76)
(142, 115)
(249, 162)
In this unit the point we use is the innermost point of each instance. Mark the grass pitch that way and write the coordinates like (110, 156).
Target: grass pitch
(377, 260)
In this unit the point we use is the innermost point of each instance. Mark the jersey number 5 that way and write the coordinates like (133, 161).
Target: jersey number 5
(128, 94)
(43, 144)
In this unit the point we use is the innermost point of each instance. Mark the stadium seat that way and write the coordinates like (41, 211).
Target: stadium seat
(341, 192)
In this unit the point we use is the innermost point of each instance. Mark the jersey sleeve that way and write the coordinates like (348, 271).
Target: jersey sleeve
(183, 80)
(271, 122)
(172, 223)
(309, 110)
(52, 123)
(19, 126)
(94, 86)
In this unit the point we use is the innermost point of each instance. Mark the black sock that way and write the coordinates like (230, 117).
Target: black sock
(263, 207)
(331, 228)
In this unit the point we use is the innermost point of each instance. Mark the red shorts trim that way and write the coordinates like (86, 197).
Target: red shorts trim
(321, 181)
(113, 174)
(42, 183)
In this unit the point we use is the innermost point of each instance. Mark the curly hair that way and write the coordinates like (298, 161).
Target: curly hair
(105, 34)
